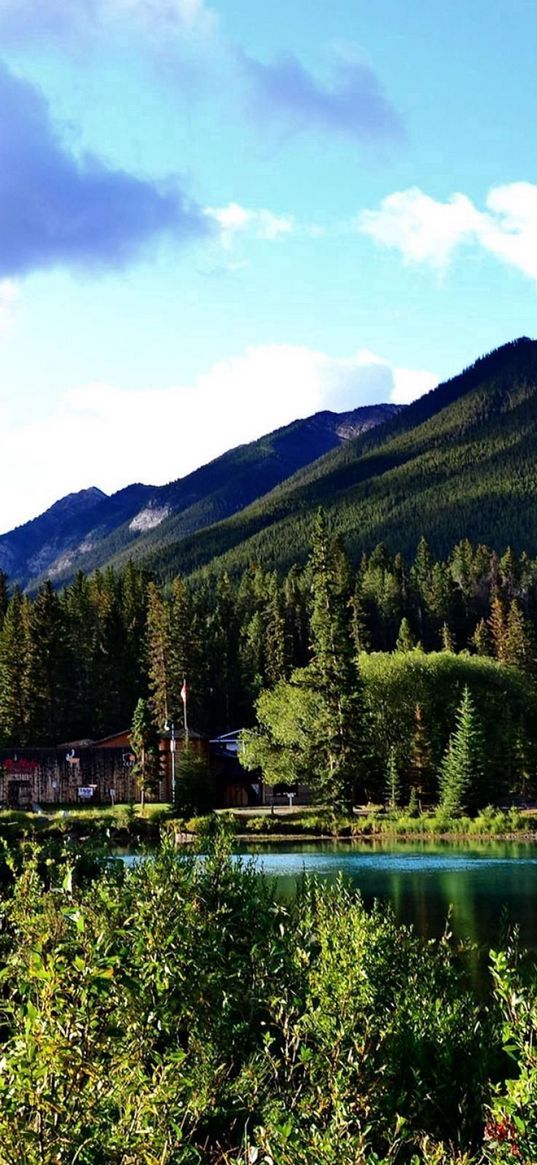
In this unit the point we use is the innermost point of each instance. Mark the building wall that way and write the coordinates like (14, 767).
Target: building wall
(45, 776)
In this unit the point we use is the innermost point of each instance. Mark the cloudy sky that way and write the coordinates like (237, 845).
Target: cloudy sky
(214, 219)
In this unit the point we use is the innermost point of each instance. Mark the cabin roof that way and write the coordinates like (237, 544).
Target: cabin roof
(226, 736)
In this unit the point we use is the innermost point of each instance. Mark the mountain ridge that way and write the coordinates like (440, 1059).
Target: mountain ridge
(449, 466)
(91, 529)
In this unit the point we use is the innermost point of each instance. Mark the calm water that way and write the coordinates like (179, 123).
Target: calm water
(487, 887)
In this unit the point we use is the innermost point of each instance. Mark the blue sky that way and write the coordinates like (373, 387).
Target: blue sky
(216, 218)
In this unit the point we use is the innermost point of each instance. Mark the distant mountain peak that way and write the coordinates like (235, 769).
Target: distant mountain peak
(88, 529)
(78, 501)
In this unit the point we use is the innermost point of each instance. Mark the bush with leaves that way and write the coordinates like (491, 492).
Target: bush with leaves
(178, 1013)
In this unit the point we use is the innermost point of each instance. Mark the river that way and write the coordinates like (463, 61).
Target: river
(484, 888)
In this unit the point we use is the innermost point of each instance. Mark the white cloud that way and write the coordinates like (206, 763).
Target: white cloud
(510, 229)
(109, 436)
(424, 231)
(234, 220)
(9, 298)
(25, 19)
(410, 383)
(427, 231)
(185, 16)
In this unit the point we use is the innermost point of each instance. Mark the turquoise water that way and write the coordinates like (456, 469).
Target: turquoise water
(481, 891)
(485, 889)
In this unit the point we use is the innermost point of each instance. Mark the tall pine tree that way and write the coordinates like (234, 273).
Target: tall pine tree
(462, 771)
(15, 671)
(333, 671)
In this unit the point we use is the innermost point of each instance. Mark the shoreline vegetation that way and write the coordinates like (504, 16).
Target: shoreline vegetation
(178, 1013)
(130, 824)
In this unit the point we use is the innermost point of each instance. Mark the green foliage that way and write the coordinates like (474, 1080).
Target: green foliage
(286, 745)
(114, 639)
(332, 671)
(511, 1128)
(405, 638)
(462, 771)
(193, 791)
(410, 702)
(394, 684)
(489, 823)
(413, 803)
(518, 646)
(393, 783)
(177, 1013)
(144, 743)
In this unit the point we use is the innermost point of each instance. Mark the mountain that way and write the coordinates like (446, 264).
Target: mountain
(30, 550)
(459, 462)
(89, 529)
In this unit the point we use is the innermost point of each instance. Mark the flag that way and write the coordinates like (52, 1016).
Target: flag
(184, 692)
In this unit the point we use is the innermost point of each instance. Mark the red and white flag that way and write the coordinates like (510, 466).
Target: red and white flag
(184, 692)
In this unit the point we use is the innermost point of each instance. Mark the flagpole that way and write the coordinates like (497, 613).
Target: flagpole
(185, 714)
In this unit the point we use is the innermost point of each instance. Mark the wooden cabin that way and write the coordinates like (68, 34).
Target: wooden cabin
(234, 787)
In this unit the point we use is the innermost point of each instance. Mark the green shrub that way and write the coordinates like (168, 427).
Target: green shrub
(177, 1012)
(199, 825)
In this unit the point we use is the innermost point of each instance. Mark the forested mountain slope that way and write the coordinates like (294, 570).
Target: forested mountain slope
(459, 462)
(89, 529)
(230, 483)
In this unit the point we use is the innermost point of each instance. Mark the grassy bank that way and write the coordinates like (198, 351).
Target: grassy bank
(80, 821)
(129, 823)
(323, 823)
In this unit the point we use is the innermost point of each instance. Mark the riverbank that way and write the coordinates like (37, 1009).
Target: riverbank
(117, 823)
(367, 823)
(132, 824)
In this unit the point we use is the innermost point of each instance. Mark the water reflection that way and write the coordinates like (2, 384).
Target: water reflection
(484, 888)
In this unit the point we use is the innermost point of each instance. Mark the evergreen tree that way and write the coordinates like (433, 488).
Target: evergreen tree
(462, 770)
(405, 638)
(193, 792)
(481, 639)
(447, 638)
(518, 646)
(4, 596)
(252, 655)
(423, 565)
(393, 782)
(508, 575)
(413, 805)
(80, 638)
(158, 657)
(108, 647)
(420, 762)
(132, 599)
(144, 744)
(275, 654)
(439, 594)
(224, 672)
(47, 686)
(462, 569)
(420, 577)
(333, 671)
(295, 596)
(183, 652)
(359, 629)
(497, 627)
(14, 671)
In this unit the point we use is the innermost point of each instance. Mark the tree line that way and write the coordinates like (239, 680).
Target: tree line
(74, 664)
(405, 726)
